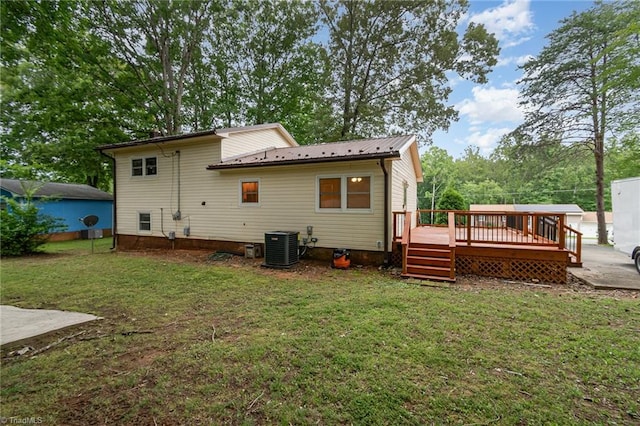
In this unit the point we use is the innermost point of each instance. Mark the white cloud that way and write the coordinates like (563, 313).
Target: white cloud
(491, 105)
(486, 139)
(513, 60)
(511, 22)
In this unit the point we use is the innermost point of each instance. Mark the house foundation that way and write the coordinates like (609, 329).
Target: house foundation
(137, 242)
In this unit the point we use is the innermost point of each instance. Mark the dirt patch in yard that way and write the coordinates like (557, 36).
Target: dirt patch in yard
(319, 270)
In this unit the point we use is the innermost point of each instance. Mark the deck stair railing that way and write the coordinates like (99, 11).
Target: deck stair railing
(573, 244)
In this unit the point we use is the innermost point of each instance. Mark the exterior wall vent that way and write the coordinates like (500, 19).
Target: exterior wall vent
(281, 249)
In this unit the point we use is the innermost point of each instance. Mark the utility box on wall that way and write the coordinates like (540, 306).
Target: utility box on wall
(281, 249)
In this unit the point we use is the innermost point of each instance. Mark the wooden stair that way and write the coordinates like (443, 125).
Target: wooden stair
(572, 261)
(430, 262)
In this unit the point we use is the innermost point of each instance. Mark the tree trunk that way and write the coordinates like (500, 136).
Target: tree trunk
(599, 156)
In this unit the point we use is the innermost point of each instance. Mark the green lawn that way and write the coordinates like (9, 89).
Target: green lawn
(190, 341)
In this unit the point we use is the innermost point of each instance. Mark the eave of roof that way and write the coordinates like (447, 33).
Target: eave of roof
(217, 133)
(365, 149)
(159, 139)
(391, 154)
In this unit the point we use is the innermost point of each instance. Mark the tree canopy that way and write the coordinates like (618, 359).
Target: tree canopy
(568, 89)
(78, 74)
(389, 63)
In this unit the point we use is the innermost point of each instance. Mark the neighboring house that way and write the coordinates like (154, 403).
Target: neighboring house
(589, 225)
(572, 212)
(225, 188)
(68, 202)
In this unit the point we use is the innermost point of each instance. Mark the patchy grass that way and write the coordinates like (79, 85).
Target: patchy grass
(184, 340)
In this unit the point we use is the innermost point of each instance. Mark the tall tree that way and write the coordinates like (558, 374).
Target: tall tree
(55, 110)
(567, 92)
(160, 42)
(390, 61)
(282, 71)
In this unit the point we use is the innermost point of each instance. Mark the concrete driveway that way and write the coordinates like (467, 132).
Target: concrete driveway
(18, 324)
(605, 268)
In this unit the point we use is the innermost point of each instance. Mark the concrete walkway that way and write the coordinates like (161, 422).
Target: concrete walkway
(17, 324)
(607, 269)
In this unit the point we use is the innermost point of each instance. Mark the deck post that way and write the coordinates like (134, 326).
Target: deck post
(406, 240)
(561, 233)
(468, 214)
(452, 245)
(525, 224)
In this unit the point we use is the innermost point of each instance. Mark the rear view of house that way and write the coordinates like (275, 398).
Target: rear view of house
(226, 188)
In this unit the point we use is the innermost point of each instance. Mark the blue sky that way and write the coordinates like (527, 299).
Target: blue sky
(491, 110)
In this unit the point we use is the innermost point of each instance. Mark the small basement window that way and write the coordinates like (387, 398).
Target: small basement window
(144, 221)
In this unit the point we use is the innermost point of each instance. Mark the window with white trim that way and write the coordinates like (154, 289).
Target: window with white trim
(144, 166)
(144, 221)
(250, 192)
(344, 193)
(330, 193)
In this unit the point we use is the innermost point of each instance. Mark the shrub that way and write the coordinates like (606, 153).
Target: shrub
(23, 229)
(449, 200)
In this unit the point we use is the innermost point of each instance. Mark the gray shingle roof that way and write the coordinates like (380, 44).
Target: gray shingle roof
(69, 191)
(548, 208)
(326, 152)
(543, 208)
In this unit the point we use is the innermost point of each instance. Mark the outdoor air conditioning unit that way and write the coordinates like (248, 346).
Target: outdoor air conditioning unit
(281, 249)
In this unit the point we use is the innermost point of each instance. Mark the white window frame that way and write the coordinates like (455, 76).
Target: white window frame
(248, 204)
(343, 193)
(139, 222)
(144, 166)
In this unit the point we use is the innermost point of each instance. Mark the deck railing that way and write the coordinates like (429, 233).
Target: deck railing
(499, 228)
(508, 228)
(573, 243)
(398, 225)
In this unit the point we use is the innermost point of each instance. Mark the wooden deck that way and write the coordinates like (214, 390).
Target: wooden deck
(540, 248)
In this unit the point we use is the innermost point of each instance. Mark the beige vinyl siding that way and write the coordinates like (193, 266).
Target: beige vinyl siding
(288, 203)
(245, 142)
(402, 171)
(210, 201)
(153, 193)
(159, 194)
(287, 200)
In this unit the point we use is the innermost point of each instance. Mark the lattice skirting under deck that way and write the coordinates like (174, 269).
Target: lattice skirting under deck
(517, 269)
(396, 255)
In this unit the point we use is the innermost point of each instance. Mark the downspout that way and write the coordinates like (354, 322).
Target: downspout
(114, 219)
(386, 212)
(178, 214)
